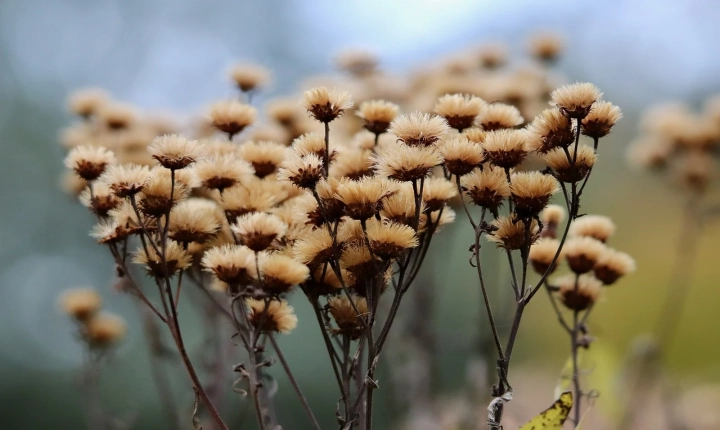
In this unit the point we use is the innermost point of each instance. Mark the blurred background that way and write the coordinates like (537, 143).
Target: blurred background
(172, 56)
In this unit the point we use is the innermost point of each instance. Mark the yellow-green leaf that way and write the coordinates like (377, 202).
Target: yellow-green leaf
(553, 417)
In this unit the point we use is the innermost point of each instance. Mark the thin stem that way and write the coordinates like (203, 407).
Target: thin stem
(486, 300)
(326, 155)
(574, 351)
(332, 354)
(515, 287)
(293, 382)
(252, 373)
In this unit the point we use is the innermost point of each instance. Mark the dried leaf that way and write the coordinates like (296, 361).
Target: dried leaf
(553, 417)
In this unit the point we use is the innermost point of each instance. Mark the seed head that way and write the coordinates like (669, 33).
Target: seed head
(160, 193)
(582, 253)
(101, 200)
(575, 100)
(564, 169)
(542, 254)
(80, 303)
(280, 273)
(406, 163)
(284, 111)
(363, 198)
(694, 171)
(612, 265)
(352, 164)
(510, 233)
(116, 116)
(347, 319)
(326, 105)
(303, 172)
(194, 220)
(598, 227)
(546, 47)
(176, 257)
(418, 129)
(357, 62)
(496, 116)
(126, 180)
(311, 143)
(531, 192)
(277, 315)
(248, 77)
(219, 172)
(377, 115)
(551, 129)
(240, 200)
(258, 230)
(602, 117)
(492, 55)
(265, 157)
(232, 264)
(459, 110)
(89, 162)
(105, 329)
(231, 117)
(551, 217)
(316, 248)
(87, 102)
(487, 188)
(437, 192)
(475, 134)
(461, 155)
(400, 207)
(175, 152)
(389, 240)
(578, 299)
(506, 148)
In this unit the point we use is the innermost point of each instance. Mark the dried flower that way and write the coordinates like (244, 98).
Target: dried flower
(418, 129)
(116, 116)
(542, 254)
(612, 265)
(578, 293)
(101, 200)
(105, 329)
(511, 233)
(316, 248)
(596, 226)
(176, 259)
(389, 240)
(325, 105)
(362, 199)
(275, 315)
(194, 220)
(377, 115)
(475, 134)
(487, 188)
(248, 77)
(551, 129)
(126, 180)
(406, 163)
(461, 155)
(161, 192)
(546, 47)
(240, 200)
(265, 157)
(232, 264)
(551, 217)
(565, 169)
(459, 110)
(357, 62)
(575, 100)
(496, 116)
(87, 102)
(80, 303)
(506, 148)
(602, 117)
(280, 273)
(175, 152)
(400, 207)
(348, 321)
(303, 172)
(352, 164)
(582, 253)
(695, 170)
(231, 117)
(531, 192)
(492, 55)
(437, 192)
(258, 230)
(89, 162)
(219, 172)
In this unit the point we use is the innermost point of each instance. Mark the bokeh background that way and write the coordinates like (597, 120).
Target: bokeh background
(172, 55)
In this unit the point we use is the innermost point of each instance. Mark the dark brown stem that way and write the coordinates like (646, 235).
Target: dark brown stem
(326, 155)
(577, 398)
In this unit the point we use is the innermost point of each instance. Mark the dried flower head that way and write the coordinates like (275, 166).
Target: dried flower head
(612, 265)
(265, 157)
(363, 198)
(175, 152)
(311, 143)
(352, 164)
(546, 47)
(511, 233)
(258, 230)
(506, 148)
(377, 115)
(219, 172)
(275, 315)
(248, 77)
(459, 110)
(325, 105)
(231, 117)
(578, 294)
(104, 329)
(551, 129)
(418, 129)
(694, 171)
(240, 200)
(437, 192)
(232, 264)
(582, 253)
(358, 62)
(461, 155)
(87, 102)
(280, 273)
(80, 303)
(284, 111)
(116, 116)
(400, 207)
(564, 168)
(161, 192)
(531, 192)
(100, 200)
(346, 317)
(596, 226)
(542, 254)
(126, 220)
(303, 172)
(487, 188)
(551, 217)
(475, 134)
(194, 220)
(176, 259)
(602, 117)
(406, 163)
(89, 162)
(492, 55)
(126, 180)
(316, 248)
(496, 116)
(389, 240)
(575, 100)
